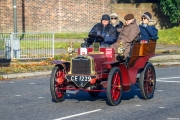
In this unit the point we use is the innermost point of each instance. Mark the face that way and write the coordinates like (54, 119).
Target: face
(113, 19)
(105, 22)
(127, 22)
(144, 20)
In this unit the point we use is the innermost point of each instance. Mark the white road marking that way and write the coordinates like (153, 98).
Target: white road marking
(160, 90)
(75, 115)
(18, 95)
(32, 83)
(11, 82)
(168, 79)
(162, 107)
(40, 97)
(138, 105)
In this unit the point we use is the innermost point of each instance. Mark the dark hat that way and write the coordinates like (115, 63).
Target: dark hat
(105, 17)
(147, 15)
(128, 17)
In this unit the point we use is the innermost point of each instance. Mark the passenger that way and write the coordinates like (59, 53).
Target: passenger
(147, 31)
(105, 30)
(115, 22)
(129, 32)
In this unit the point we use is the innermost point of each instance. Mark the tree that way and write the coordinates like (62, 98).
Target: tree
(171, 8)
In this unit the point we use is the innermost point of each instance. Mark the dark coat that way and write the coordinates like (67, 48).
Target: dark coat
(109, 33)
(118, 26)
(148, 32)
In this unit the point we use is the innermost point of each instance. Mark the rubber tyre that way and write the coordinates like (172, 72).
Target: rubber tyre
(147, 81)
(57, 95)
(114, 87)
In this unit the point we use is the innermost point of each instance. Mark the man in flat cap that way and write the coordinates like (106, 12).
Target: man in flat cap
(129, 32)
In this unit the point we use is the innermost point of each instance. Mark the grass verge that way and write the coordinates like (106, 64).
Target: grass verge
(32, 66)
(71, 35)
(169, 36)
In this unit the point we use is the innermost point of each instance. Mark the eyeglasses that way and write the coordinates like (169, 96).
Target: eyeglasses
(114, 18)
(143, 18)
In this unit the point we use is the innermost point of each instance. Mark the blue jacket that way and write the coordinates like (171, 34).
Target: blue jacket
(109, 33)
(148, 32)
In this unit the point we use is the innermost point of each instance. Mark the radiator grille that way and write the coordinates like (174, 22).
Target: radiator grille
(81, 65)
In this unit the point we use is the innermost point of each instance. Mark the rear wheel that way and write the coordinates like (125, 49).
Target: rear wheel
(55, 84)
(114, 87)
(147, 81)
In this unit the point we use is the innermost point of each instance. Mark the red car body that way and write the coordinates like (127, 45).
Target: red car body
(96, 70)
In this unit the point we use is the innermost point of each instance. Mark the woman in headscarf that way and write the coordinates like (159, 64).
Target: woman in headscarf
(116, 22)
(148, 31)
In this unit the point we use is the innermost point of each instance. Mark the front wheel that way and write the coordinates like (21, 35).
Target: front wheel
(114, 88)
(147, 81)
(57, 76)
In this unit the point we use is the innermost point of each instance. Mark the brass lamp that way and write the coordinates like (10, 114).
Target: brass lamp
(70, 48)
(121, 49)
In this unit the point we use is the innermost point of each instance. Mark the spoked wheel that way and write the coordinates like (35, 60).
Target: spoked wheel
(114, 87)
(56, 83)
(147, 81)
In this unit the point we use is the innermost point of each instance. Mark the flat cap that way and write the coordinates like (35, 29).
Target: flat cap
(128, 17)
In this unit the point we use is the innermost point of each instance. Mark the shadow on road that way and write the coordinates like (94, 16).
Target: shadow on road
(84, 96)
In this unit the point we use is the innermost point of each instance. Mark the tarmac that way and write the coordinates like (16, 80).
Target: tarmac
(166, 58)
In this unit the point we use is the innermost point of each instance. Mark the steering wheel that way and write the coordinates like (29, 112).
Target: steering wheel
(92, 35)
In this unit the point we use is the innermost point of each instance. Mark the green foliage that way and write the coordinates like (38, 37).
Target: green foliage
(171, 8)
(169, 36)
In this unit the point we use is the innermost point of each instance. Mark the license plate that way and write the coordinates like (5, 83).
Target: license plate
(80, 78)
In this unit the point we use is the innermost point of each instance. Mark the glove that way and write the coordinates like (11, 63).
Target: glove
(100, 36)
(144, 25)
(93, 34)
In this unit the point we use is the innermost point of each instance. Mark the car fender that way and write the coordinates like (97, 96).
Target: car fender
(64, 64)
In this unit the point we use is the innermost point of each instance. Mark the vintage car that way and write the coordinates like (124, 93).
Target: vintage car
(95, 69)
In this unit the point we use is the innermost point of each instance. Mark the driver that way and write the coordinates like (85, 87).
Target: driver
(105, 30)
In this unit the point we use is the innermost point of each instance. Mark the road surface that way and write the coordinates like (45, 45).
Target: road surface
(30, 99)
